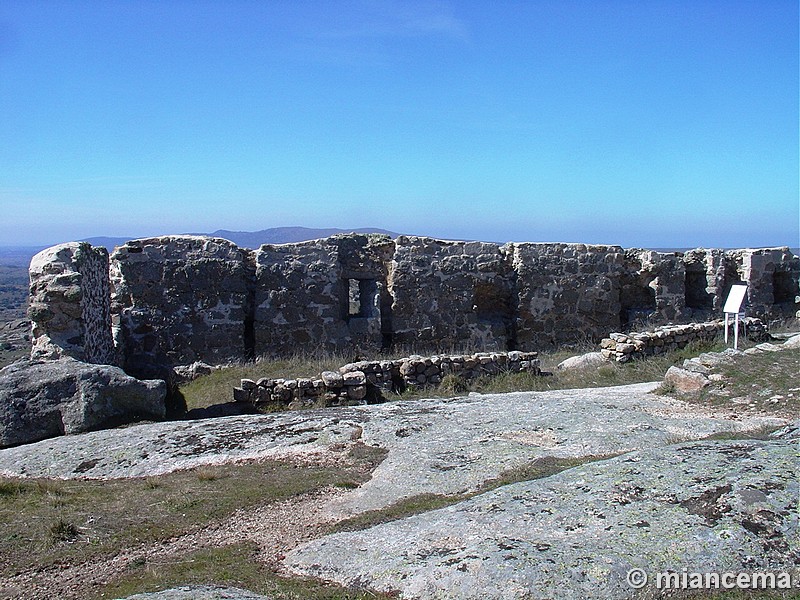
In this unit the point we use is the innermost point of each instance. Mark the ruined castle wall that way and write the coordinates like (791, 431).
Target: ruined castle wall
(451, 294)
(70, 304)
(567, 293)
(323, 294)
(772, 275)
(181, 299)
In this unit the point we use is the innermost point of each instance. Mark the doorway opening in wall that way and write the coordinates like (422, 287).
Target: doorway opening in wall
(386, 319)
(637, 300)
(696, 293)
(784, 287)
(492, 303)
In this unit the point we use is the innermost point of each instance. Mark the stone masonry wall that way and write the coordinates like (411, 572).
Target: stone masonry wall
(622, 347)
(181, 299)
(70, 304)
(566, 293)
(366, 381)
(324, 294)
(773, 275)
(447, 295)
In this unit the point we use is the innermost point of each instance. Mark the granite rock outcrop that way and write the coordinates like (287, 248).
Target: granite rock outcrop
(43, 399)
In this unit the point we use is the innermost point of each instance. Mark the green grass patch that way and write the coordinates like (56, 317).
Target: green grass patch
(609, 374)
(767, 383)
(218, 387)
(234, 565)
(45, 522)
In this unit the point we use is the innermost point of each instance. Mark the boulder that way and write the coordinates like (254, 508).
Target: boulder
(185, 373)
(684, 381)
(592, 360)
(792, 343)
(332, 379)
(354, 378)
(39, 400)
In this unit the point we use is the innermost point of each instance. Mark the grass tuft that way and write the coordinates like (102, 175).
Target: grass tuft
(63, 531)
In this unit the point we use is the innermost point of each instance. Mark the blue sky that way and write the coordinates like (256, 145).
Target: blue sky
(654, 123)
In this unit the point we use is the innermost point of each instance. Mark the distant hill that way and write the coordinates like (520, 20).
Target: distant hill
(288, 235)
(21, 255)
(254, 239)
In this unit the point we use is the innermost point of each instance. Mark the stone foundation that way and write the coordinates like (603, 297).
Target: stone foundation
(622, 347)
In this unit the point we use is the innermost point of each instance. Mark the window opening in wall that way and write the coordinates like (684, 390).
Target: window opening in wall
(784, 287)
(697, 296)
(491, 302)
(354, 298)
(360, 297)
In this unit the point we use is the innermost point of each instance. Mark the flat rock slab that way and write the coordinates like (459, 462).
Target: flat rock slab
(199, 592)
(434, 446)
(705, 506)
(160, 448)
(453, 446)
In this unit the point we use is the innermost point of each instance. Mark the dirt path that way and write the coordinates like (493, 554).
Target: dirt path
(276, 528)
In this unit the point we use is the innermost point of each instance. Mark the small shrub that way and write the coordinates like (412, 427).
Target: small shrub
(207, 474)
(50, 487)
(665, 389)
(346, 485)
(607, 372)
(452, 384)
(63, 531)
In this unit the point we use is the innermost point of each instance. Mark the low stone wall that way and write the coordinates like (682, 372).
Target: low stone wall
(623, 347)
(365, 381)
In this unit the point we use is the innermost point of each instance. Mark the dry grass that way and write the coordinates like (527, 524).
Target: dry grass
(44, 523)
(217, 387)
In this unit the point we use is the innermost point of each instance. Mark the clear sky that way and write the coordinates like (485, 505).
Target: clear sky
(653, 123)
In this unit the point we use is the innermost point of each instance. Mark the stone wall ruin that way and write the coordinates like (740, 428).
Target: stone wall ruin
(175, 300)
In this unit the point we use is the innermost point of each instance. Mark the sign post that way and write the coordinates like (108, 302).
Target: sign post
(733, 306)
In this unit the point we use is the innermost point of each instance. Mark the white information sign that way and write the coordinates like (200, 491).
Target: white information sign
(733, 306)
(735, 298)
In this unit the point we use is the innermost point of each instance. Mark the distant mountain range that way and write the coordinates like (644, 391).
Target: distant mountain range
(254, 239)
(21, 255)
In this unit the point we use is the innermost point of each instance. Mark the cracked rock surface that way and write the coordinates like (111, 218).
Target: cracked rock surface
(704, 506)
(439, 446)
(664, 502)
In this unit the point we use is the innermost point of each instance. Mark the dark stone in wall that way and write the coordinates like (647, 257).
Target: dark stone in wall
(567, 293)
(302, 299)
